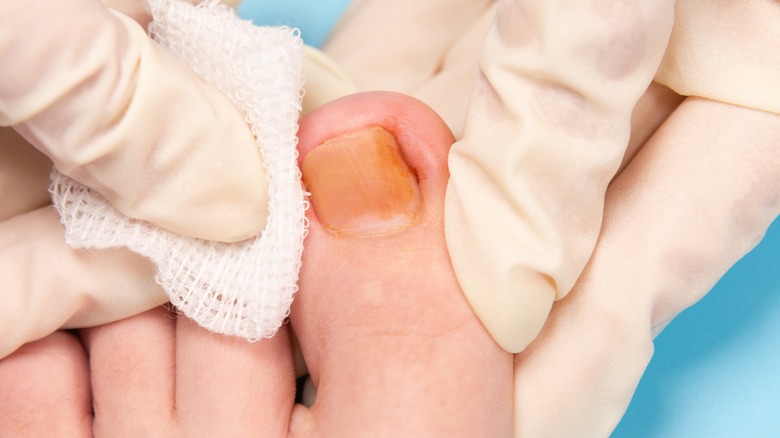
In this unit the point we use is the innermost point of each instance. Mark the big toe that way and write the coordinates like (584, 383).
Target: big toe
(391, 344)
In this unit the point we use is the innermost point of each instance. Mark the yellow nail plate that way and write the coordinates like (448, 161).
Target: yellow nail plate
(360, 183)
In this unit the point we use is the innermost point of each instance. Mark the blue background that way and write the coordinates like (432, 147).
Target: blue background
(314, 18)
(716, 368)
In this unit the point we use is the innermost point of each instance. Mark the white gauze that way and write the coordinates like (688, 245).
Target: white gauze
(243, 289)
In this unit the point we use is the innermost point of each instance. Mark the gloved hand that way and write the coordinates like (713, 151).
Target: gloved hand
(546, 130)
(48, 285)
(110, 108)
(117, 113)
(549, 119)
(694, 200)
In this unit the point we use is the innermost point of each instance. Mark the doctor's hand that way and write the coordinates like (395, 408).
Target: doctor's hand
(541, 97)
(87, 87)
(569, 134)
(93, 94)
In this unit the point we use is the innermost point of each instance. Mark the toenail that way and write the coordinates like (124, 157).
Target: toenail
(360, 183)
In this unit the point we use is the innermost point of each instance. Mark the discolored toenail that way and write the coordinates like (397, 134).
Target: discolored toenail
(360, 184)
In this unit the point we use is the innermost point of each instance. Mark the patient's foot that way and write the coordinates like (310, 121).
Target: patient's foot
(389, 340)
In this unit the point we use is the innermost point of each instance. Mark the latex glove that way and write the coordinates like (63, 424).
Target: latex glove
(115, 112)
(547, 128)
(696, 198)
(686, 207)
(48, 285)
(549, 121)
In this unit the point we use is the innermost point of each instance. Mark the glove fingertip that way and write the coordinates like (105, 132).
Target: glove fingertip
(515, 312)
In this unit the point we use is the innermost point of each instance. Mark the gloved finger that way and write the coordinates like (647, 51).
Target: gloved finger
(433, 55)
(119, 114)
(547, 128)
(720, 51)
(24, 175)
(716, 210)
(696, 198)
(448, 90)
(652, 110)
(48, 285)
(24, 171)
(397, 45)
(325, 80)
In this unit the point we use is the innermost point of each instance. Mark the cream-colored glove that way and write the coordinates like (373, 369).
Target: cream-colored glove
(549, 118)
(694, 200)
(697, 197)
(87, 87)
(683, 209)
(47, 285)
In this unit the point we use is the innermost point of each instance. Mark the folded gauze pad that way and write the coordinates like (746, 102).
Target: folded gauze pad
(246, 288)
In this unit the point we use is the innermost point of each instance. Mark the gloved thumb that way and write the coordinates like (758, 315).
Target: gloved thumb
(117, 113)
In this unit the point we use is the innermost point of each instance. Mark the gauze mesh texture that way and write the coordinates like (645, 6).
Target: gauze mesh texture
(243, 289)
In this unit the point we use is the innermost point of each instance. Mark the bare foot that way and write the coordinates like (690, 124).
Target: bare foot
(390, 342)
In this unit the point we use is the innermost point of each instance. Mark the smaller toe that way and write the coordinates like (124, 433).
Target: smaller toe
(44, 388)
